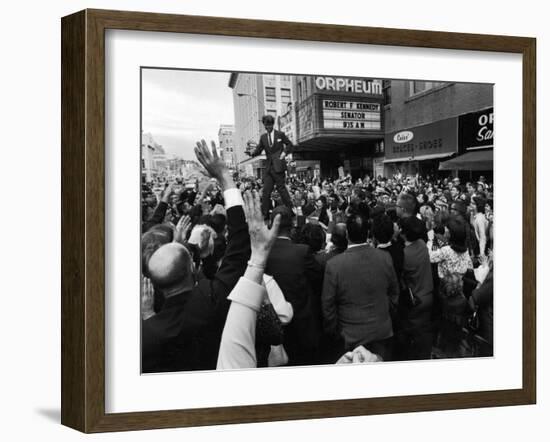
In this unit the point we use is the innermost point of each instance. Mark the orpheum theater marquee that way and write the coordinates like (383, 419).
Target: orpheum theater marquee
(340, 121)
(351, 115)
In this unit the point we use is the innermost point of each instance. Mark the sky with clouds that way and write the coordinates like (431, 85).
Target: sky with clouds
(181, 107)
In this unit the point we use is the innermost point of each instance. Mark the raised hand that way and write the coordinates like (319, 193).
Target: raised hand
(169, 189)
(483, 260)
(182, 228)
(147, 298)
(213, 164)
(218, 208)
(203, 237)
(261, 238)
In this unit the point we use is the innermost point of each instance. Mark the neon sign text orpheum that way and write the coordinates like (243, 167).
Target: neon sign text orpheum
(337, 84)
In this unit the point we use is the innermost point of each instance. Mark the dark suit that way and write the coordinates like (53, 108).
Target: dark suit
(415, 337)
(483, 297)
(297, 274)
(186, 333)
(357, 290)
(275, 168)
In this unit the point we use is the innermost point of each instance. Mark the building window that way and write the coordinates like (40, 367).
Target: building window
(305, 88)
(272, 112)
(386, 88)
(417, 87)
(270, 94)
(300, 91)
(285, 96)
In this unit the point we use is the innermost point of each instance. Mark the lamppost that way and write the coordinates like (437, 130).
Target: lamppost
(243, 94)
(260, 104)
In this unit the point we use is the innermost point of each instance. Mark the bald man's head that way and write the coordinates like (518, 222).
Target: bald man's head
(150, 242)
(339, 236)
(171, 269)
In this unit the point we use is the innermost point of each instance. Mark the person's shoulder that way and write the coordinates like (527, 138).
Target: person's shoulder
(409, 250)
(302, 249)
(380, 254)
(337, 260)
(289, 246)
(420, 244)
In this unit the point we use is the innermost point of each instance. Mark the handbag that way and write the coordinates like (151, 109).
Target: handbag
(269, 328)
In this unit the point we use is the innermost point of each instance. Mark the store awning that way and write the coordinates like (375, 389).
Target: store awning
(432, 156)
(477, 160)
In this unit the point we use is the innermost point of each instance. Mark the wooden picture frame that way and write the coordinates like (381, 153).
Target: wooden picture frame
(83, 220)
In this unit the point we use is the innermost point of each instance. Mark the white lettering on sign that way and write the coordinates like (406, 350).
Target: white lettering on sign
(484, 119)
(484, 134)
(338, 84)
(355, 125)
(358, 115)
(403, 136)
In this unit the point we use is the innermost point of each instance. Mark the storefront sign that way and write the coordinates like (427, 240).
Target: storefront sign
(356, 86)
(351, 115)
(430, 139)
(476, 130)
(403, 137)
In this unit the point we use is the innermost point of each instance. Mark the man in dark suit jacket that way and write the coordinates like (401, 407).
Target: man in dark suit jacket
(298, 274)
(358, 287)
(276, 146)
(185, 334)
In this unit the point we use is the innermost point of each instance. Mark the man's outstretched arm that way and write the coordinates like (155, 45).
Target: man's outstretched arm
(238, 240)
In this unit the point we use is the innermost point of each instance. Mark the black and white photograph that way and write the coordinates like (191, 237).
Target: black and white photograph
(308, 219)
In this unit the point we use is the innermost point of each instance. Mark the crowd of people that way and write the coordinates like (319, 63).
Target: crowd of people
(351, 270)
